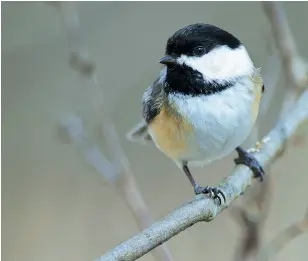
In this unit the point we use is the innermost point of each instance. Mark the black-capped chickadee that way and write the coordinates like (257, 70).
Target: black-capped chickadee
(204, 103)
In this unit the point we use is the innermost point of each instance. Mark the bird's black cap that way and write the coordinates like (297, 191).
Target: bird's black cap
(185, 40)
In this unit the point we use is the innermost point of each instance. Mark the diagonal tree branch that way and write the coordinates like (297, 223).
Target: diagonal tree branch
(202, 208)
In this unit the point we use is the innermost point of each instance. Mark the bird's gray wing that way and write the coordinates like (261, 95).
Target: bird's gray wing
(152, 101)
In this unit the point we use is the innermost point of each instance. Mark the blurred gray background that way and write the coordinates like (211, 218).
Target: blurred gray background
(57, 207)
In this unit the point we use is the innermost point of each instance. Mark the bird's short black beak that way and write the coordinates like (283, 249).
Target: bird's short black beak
(167, 60)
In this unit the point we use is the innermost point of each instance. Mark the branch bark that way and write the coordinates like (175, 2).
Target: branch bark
(202, 208)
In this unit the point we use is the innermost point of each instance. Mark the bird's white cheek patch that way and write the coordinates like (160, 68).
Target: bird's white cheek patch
(221, 64)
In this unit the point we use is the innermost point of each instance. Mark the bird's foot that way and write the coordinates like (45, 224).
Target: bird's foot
(250, 161)
(213, 192)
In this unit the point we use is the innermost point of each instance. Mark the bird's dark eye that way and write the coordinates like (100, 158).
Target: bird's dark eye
(199, 51)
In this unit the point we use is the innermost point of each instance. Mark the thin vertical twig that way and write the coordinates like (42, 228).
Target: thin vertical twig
(295, 68)
(251, 216)
(125, 181)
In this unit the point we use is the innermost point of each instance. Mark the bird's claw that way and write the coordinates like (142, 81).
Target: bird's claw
(213, 192)
(246, 158)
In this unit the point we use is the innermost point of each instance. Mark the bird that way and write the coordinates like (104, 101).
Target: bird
(204, 102)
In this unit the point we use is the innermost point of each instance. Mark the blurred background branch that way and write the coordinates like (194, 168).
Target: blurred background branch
(251, 217)
(269, 250)
(295, 68)
(117, 170)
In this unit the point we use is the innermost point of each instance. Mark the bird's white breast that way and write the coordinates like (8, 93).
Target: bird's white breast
(221, 121)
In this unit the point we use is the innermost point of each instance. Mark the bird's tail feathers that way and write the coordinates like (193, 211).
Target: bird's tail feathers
(139, 134)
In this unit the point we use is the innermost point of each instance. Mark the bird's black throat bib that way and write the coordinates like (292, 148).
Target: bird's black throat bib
(185, 80)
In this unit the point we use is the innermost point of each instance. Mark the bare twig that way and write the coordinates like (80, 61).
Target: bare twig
(73, 125)
(294, 66)
(202, 208)
(283, 238)
(251, 216)
(125, 183)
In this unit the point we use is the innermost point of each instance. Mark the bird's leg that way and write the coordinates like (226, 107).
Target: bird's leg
(250, 161)
(212, 191)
